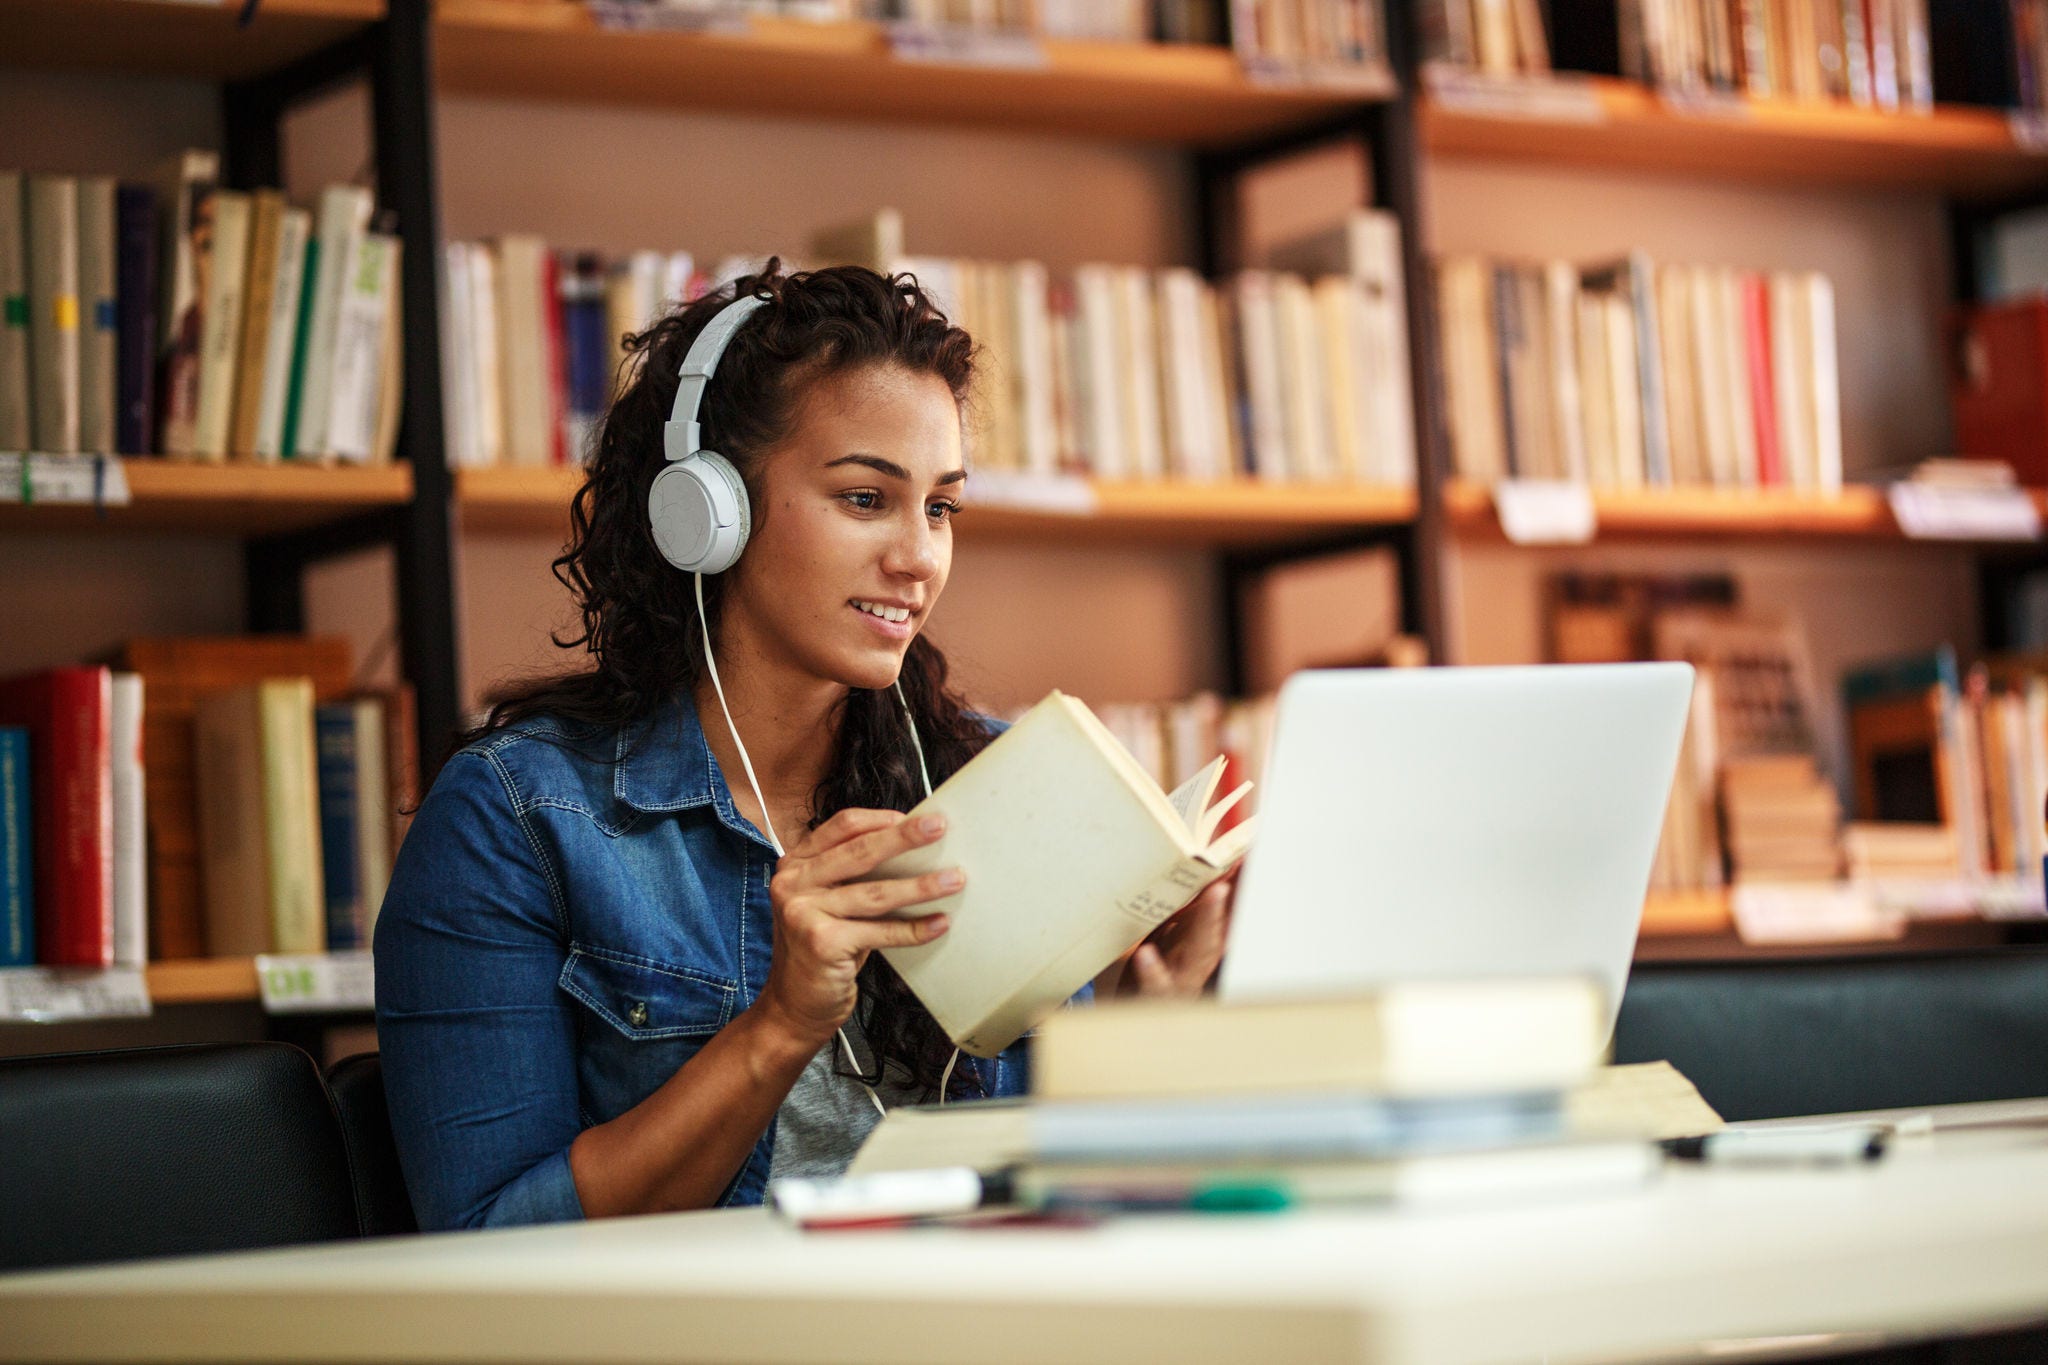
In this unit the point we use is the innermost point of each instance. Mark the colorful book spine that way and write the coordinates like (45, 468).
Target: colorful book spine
(17, 852)
(98, 243)
(334, 727)
(14, 338)
(52, 218)
(135, 319)
(68, 713)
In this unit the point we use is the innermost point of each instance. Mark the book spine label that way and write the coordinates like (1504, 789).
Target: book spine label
(335, 734)
(17, 859)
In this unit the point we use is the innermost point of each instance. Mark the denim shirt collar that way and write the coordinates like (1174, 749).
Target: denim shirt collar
(664, 763)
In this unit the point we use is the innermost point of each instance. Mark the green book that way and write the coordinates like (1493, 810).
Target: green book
(301, 330)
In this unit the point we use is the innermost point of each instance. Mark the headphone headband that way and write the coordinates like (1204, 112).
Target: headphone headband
(681, 437)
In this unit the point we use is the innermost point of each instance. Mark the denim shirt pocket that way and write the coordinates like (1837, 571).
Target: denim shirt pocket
(644, 1020)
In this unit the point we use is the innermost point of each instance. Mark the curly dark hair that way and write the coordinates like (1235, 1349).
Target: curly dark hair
(639, 618)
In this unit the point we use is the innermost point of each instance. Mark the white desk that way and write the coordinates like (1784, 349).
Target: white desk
(1950, 1234)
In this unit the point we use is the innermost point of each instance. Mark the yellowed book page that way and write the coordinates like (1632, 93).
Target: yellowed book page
(1645, 1100)
(985, 1136)
(1192, 796)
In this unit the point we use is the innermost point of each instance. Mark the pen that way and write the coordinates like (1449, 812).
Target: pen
(887, 1197)
(1812, 1145)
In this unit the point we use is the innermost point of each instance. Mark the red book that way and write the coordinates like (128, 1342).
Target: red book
(2000, 385)
(69, 715)
(1763, 394)
(557, 358)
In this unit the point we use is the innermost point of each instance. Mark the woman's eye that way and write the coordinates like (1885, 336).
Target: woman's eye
(943, 509)
(865, 501)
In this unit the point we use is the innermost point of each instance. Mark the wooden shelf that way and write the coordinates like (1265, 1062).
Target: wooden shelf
(233, 499)
(201, 980)
(1859, 511)
(190, 38)
(1687, 914)
(1955, 150)
(1164, 92)
(525, 501)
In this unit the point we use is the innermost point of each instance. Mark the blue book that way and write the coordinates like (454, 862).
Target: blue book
(589, 347)
(334, 735)
(17, 842)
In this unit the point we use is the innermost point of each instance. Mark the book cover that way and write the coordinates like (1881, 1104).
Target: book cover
(223, 268)
(98, 321)
(17, 851)
(1763, 398)
(554, 362)
(525, 388)
(281, 332)
(68, 713)
(186, 184)
(259, 819)
(266, 241)
(358, 350)
(376, 821)
(581, 282)
(131, 862)
(340, 814)
(487, 352)
(52, 219)
(1072, 854)
(302, 338)
(135, 307)
(14, 334)
(344, 221)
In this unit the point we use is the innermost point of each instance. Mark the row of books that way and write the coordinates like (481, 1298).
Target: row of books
(188, 803)
(1493, 37)
(1875, 53)
(183, 318)
(1936, 743)
(1113, 371)
(1626, 374)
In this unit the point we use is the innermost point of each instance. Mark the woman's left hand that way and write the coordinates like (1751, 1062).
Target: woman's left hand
(1182, 954)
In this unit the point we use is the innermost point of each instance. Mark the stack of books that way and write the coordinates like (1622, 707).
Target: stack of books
(1783, 820)
(1626, 374)
(1424, 1091)
(1900, 851)
(1114, 372)
(182, 318)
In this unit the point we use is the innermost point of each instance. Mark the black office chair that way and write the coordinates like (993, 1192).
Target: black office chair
(1819, 1036)
(383, 1208)
(109, 1156)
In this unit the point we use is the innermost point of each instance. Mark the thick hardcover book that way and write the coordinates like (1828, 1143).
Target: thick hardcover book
(14, 341)
(334, 729)
(96, 316)
(259, 819)
(1072, 854)
(135, 320)
(17, 851)
(51, 215)
(68, 713)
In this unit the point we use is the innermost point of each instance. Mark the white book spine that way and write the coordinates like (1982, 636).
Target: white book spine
(1095, 294)
(458, 364)
(359, 350)
(344, 219)
(488, 377)
(1561, 281)
(287, 290)
(1034, 367)
(1376, 257)
(1827, 389)
(1261, 340)
(96, 319)
(1145, 438)
(131, 874)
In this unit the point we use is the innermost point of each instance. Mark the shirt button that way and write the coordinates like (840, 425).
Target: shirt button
(638, 1018)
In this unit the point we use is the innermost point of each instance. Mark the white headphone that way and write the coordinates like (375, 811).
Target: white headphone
(697, 509)
(697, 505)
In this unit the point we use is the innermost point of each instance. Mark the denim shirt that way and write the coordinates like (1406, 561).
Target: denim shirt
(573, 914)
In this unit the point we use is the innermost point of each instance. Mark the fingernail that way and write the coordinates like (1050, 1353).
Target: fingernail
(931, 824)
(934, 925)
(952, 879)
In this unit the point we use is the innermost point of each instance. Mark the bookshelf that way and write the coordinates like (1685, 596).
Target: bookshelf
(197, 38)
(202, 981)
(1177, 93)
(1858, 512)
(1232, 514)
(223, 499)
(1620, 125)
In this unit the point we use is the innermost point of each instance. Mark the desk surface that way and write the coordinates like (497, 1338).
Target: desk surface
(1949, 1234)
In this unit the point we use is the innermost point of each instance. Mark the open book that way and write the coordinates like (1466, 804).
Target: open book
(1072, 855)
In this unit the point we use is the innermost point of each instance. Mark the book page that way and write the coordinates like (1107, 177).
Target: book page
(1190, 796)
(1212, 817)
(985, 1135)
(1232, 845)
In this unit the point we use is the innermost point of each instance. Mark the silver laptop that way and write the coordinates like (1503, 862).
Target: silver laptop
(1456, 822)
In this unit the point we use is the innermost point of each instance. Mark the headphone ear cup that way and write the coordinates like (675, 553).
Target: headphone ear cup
(697, 511)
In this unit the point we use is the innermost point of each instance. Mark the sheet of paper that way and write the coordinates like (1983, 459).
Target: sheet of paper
(1645, 1100)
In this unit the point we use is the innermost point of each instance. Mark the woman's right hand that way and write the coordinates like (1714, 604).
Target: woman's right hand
(826, 923)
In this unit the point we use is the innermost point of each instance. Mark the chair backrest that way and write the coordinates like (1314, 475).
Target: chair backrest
(382, 1206)
(108, 1156)
(1835, 1035)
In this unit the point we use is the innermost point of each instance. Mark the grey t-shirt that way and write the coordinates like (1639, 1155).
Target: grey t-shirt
(827, 1115)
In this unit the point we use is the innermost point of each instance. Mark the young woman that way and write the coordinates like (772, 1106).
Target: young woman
(602, 987)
